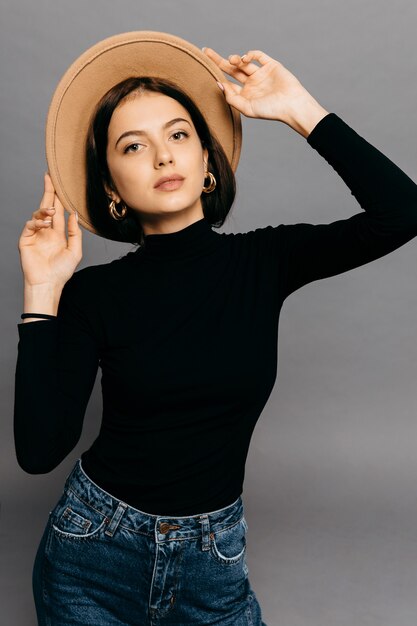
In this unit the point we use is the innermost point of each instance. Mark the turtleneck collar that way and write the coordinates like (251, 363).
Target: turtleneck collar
(189, 242)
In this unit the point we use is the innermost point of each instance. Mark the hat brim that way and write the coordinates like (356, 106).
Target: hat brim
(91, 75)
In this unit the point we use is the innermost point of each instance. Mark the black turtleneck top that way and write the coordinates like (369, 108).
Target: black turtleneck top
(184, 330)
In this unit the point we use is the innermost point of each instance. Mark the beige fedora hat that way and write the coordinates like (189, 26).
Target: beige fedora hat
(98, 69)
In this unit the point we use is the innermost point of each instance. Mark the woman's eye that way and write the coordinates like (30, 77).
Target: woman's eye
(180, 132)
(127, 149)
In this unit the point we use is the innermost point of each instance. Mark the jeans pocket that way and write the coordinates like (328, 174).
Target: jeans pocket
(72, 518)
(228, 545)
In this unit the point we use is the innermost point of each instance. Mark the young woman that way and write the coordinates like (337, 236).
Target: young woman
(150, 527)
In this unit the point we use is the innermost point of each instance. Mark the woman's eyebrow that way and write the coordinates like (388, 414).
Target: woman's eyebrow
(143, 132)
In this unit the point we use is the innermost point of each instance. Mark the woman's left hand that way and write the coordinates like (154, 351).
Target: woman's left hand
(268, 91)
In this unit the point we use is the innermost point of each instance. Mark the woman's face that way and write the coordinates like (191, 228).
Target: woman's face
(154, 146)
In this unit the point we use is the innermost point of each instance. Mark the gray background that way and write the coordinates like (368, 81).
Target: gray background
(330, 491)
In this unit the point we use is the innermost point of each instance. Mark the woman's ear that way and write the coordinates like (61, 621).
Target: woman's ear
(205, 158)
(111, 193)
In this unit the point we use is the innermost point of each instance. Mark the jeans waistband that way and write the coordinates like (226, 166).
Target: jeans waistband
(147, 523)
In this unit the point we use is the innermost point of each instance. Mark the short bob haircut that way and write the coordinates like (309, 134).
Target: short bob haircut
(216, 205)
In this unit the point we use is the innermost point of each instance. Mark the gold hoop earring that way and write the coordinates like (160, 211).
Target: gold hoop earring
(113, 212)
(212, 184)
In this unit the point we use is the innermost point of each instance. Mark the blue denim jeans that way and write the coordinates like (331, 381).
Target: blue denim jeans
(102, 562)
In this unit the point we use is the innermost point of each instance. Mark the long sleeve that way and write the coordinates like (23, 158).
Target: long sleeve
(309, 252)
(56, 368)
(185, 330)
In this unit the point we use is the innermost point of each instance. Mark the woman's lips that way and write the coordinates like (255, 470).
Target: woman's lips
(170, 185)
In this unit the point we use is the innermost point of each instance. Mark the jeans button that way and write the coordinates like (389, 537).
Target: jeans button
(164, 527)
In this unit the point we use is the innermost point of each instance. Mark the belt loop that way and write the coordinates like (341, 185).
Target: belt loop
(68, 480)
(205, 526)
(114, 522)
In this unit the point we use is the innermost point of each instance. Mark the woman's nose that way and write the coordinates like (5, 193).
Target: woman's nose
(163, 155)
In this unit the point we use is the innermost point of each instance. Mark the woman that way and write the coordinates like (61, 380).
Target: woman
(150, 526)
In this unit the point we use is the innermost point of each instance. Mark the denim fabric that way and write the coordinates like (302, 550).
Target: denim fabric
(102, 562)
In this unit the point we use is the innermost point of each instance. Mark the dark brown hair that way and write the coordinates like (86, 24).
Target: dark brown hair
(216, 205)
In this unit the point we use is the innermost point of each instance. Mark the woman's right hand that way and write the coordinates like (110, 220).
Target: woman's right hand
(47, 258)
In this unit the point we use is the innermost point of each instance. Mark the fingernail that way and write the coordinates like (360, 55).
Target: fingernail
(220, 85)
(203, 48)
(76, 215)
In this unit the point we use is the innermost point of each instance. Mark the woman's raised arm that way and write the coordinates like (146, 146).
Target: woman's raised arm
(57, 358)
(304, 252)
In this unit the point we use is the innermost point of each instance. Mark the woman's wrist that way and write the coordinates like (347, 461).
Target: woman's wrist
(305, 114)
(41, 299)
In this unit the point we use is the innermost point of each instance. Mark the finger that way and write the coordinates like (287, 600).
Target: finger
(34, 225)
(225, 65)
(242, 63)
(233, 97)
(232, 90)
(49, 192)
(43, 213)
(74, 236)
(58, 221)
(49, 200)
(257, 55)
